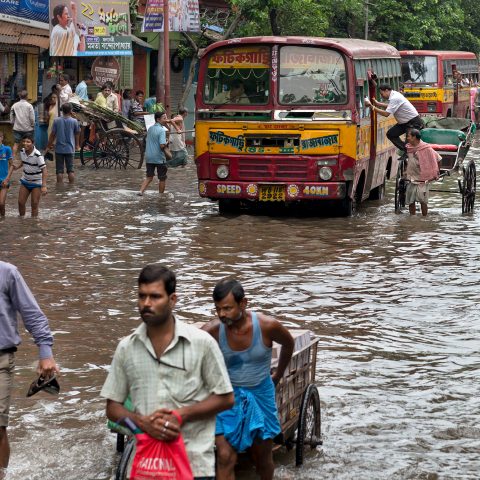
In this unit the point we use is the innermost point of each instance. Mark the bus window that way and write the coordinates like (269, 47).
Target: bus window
(311, 75)
(239, 75)
(419, 69)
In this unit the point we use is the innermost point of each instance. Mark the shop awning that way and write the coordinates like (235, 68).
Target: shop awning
(14, 34)
(142, 43)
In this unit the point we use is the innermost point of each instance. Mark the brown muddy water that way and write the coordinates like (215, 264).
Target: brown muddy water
(394, 300)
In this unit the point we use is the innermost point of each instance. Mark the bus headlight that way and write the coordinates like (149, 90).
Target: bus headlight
(222, 171)
(325, 173)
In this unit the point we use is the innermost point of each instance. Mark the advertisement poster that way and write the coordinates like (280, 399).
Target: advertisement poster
(95, 28)
(184, 16)
(105, 69)
(26, 12)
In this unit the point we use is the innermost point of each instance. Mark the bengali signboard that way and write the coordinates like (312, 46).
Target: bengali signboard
(305, 57)
(25, 12)
(95, 28)
(184, 16)
(240, 57)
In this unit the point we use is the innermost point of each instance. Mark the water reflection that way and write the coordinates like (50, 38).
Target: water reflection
(394, 300)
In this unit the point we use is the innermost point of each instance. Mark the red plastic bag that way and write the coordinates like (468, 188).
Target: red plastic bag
(157, 460)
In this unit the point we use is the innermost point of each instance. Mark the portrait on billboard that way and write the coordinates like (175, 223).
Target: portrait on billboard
(66, 38)
(89, 28)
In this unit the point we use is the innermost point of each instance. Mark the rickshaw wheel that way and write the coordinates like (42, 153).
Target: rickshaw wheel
(469, 187)
(121, 473)
(309, 423)
(118, 148)
(400, 187)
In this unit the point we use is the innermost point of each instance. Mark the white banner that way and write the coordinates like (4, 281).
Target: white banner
(184, 16)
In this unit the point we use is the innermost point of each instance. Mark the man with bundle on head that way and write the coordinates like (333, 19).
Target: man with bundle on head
(245, 338)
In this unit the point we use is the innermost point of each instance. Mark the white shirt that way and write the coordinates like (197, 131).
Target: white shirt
(400, 108)
(62, 41)
(65, 94)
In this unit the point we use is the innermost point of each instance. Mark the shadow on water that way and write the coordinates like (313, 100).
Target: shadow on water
(394, 300)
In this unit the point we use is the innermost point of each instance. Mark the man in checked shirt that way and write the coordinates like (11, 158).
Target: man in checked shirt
(174, 374)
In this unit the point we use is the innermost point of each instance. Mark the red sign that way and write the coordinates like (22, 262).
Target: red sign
(105, 69)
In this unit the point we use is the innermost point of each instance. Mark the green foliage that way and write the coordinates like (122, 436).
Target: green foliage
(293, 17)
(428, 24)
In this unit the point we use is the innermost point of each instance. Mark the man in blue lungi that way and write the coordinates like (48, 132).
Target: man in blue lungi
(245, 338)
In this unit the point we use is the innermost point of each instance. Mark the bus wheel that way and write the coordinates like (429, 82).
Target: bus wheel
(378, 192)
(347, 207)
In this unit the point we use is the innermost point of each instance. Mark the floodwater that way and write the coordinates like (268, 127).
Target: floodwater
(394, 300)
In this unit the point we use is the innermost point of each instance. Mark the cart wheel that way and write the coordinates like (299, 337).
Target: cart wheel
(309, 423)
(86, 153)
(469, 187)
(118, 148)
(400, 187)
(121, 473)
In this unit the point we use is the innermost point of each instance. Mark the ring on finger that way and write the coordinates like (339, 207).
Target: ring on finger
(164, 430)
(166, 424)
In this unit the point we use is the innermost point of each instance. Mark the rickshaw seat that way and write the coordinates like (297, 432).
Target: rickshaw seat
(443, 137)
(444, 148)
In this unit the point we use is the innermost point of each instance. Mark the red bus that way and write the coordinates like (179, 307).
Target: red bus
(283, 119)
(432, 83)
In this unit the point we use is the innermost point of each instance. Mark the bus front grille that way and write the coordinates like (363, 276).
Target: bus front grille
(272, 169)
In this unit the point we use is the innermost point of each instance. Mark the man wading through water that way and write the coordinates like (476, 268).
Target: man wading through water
(174, 374)
(245, 338)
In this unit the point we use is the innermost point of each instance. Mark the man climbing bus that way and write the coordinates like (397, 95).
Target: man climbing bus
(404, 112)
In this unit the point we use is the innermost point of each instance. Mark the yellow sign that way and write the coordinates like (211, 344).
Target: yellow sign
(240, 57)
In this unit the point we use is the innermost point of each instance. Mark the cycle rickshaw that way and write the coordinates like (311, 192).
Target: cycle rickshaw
(298, 404)
(117, 142)
(451, 138)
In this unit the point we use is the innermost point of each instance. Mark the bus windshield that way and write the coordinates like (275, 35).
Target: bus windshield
(312, 76)
(419, 69)
(238, 75)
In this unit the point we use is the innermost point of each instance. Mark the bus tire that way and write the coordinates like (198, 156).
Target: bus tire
(227, 205)
(347, 207)
(378, 192)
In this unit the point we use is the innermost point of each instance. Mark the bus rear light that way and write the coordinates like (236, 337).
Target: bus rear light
(222, 171)
(325, 173)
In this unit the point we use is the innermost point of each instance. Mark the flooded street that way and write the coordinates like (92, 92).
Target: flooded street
(394, 300)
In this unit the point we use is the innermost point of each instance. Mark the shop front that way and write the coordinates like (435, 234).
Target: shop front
(21, 47)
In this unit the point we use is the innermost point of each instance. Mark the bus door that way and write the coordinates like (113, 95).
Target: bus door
(372, 93)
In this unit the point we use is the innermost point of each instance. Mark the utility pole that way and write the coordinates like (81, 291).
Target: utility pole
(166, 56)
(162, 87)
(367, 4)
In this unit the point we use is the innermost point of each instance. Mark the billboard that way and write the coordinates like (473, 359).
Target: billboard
(184, 16)
(27, 12)
(95, 28)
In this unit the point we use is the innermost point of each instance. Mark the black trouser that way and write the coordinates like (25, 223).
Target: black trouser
(399, 129)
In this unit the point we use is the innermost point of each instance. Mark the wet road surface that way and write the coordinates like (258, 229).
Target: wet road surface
(394, 299)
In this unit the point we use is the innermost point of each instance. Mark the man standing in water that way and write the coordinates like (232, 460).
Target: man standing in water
(154, 153)
(173, 372)
(422, 168)
(16, 297)
(245, 338)
(404, 112)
